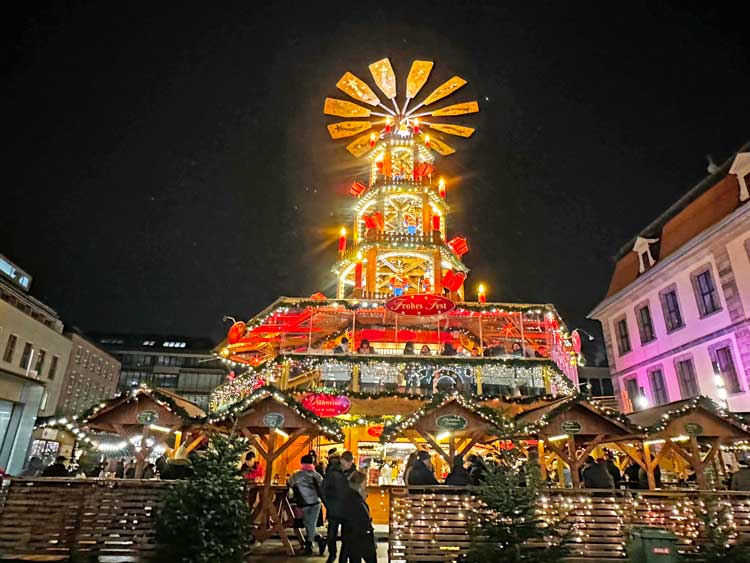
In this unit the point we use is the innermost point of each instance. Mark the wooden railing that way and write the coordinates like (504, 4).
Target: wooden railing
(433, 525)
(59, 517)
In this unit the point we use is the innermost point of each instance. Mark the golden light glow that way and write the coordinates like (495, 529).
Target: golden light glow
(441, 181)
(418, 75)
(160, 428)
(481, 289)
(359, 256)
(342, 232)
(281, 433)
(442, 436)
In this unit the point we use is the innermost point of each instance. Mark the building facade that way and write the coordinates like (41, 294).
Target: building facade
(183, 365)
(92, 376)
(33, 359)
(676, 318)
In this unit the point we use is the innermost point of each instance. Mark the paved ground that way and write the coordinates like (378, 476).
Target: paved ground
(273, 552)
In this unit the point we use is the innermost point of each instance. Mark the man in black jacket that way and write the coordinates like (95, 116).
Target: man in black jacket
(57, 469)
(335, 488)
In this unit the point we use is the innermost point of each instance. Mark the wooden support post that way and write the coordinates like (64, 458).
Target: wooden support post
(451, 450)
(355, 377)
(573, 461)
(542, 460)
(700, 475)
(649, 466)
(284, 379)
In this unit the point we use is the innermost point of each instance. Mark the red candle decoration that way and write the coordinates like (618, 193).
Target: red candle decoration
(357, 189)
(416, 126)
(372, 139)
(358, 271)
(342, 241)
(427, 141)
(459, 245)
(441, 188)
(388, 124)
(436, 222)
(482, 294)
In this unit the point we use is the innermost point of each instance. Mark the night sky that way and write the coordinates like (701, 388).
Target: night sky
(166, 165)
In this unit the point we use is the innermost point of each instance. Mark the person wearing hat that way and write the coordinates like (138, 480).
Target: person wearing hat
(422, 473)
(57, 469)
(335, 486)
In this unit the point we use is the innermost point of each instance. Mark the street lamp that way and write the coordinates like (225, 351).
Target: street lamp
(584, 332)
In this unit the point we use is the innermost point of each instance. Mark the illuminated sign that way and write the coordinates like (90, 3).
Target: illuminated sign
(147, 417)
(420, 304)
(325, 405)
(273, 420)
(451, 422)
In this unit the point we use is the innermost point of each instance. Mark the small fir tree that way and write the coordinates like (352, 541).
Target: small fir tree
(514, 527)
(207, 518)
(720, 543)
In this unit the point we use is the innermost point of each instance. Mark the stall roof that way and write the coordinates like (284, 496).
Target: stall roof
(269, 395)
(592, 418)
(489, 417)
(173, 408)
(666, 419)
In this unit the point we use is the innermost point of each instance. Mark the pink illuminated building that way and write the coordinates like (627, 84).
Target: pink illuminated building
(676, 317)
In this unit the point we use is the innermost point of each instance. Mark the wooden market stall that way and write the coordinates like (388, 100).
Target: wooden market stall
(571, 428)
(686, 428)
(275, 423)
(147, 417)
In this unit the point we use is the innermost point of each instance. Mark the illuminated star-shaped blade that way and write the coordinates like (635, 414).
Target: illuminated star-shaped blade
(441, 147)
(344, 129)
(385, 78)
(359, 146)
(357, 89)
(418, 75)
(457, 109)
(445, 89)
(344, 108)
(458, 130)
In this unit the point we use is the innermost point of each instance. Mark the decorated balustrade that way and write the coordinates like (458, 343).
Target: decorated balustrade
(432, 524)
(50, 517)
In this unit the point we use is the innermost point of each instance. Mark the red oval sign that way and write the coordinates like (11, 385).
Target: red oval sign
(325, 405)
(376, 431)
(236, 332)
(420, 304)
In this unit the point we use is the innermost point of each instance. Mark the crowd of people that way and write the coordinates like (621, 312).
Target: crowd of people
(493, 348)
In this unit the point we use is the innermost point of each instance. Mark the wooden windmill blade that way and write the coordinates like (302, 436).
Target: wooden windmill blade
(344, 129)
(344, 108)
(385, 78)
(357, 89)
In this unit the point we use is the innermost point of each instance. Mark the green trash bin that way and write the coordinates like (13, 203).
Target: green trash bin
(652, 545)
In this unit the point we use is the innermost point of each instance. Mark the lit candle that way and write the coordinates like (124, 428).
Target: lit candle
(388, 122)
(342, 241)
(416, 125)
(482, 293)
(441, 188)
(427, 140)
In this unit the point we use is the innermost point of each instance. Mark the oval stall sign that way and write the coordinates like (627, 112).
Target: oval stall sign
(147, 417)
(273, 420)
(420, 304)
(693, 429)
(376, 431)
(571, 427)
(325, 405)
(451, 422)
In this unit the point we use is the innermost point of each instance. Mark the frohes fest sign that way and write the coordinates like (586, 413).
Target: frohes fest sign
(420, 304)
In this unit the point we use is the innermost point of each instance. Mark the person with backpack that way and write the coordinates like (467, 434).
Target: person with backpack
(306, 485)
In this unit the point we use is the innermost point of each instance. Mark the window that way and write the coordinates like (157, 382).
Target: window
(623, 340)
(631, 387)
(40, 362)
(671, 307)
(657, 387)
(53, 367)
(727, 369)
(645, 326)
(26, 356)
(10, 348)
(686, 378)
(705, 293)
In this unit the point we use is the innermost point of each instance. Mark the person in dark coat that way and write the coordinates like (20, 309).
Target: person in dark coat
(57, 469)
(358, 535)
(335, 487)
(477, 469)
(596, 476)
(740, 481)
(458, 476)
(613, 469)
(421, 472)
(631, 473)
(120, 468)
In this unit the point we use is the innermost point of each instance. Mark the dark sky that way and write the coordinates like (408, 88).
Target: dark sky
(167, 164)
